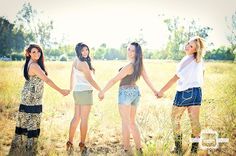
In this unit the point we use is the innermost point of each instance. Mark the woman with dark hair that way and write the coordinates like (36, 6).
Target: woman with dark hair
(81, 83)
(129, 95)
(28, 120)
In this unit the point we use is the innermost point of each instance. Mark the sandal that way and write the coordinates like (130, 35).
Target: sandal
(83, 148)
(69, 146)
(140, 151)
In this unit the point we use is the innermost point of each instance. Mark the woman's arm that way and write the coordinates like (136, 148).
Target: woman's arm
(147, 80)
(36, 70)
(168, 85)
(85, 69)
(124, 71)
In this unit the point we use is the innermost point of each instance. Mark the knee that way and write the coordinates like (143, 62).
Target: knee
(132, 125)
(196, 126)
(125, 124)
(84, 121)
(76, 118)
(175, 119)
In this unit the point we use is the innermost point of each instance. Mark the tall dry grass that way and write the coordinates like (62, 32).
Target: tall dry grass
(218, 110)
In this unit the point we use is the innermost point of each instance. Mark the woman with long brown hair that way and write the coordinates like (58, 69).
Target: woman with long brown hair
(129, 95)
(29, 116)
(82, 84)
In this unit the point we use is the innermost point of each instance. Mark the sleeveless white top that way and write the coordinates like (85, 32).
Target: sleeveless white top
(80, 82)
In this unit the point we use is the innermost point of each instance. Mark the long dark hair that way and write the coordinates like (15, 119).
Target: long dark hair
(78, 50)
(138, 62)
(40, 60)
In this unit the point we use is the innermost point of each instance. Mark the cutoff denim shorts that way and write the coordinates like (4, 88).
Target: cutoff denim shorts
(129, 95)
(189, 97)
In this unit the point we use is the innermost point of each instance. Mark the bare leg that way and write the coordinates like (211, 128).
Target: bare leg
(74, 123)
(134, 128)
(193, 112)
(125, 118)
(176, 115)
(85, 110)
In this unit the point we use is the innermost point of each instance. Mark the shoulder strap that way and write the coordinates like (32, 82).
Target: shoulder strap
(29, 66)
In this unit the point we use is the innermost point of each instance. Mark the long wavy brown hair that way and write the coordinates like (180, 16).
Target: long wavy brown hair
(138, 62)
(40, 60)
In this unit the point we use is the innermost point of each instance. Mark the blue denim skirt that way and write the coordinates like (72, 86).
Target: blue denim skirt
(189, 97)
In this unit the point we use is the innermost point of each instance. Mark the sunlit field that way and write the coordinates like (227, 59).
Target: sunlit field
(218, 111)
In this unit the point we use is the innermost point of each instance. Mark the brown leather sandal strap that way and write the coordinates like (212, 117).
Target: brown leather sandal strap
(69, 143)
(81, 144)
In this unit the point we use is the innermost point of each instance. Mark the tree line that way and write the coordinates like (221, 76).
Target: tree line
(29, 27)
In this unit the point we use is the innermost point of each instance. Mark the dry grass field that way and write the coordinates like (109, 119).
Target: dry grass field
(218, 111)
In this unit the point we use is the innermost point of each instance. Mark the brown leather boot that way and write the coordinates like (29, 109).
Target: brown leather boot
(178, 145)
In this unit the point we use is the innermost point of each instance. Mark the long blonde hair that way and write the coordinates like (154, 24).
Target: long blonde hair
(200, 48)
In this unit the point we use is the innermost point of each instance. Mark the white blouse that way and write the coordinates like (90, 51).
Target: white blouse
(190, 73)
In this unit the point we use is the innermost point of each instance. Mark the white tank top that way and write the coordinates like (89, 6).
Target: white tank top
(80, 82)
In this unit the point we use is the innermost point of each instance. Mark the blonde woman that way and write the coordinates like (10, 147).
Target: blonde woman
(189, 77)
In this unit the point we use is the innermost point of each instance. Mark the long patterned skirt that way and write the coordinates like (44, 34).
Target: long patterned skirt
(27, 130)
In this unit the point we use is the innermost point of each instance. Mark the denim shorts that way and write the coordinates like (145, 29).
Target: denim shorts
(189, 97)
(129, 95)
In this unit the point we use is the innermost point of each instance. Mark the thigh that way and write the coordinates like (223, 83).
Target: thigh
(177, 112)
(124, 112)
(84, 111)
(133, 111)
(193, 112)
(77, 110)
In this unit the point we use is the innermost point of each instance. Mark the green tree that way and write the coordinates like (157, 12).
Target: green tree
(113, 54)
(123, 50)
(222, 53)
(34, 28)
(231, 36)
(100, 52)
(180, 30)
(11, 39)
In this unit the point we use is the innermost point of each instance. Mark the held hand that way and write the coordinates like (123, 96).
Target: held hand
(65, 92)
(155, 92)
(160, 94)
(101, 95)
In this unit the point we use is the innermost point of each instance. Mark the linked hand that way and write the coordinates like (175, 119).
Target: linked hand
(101, 95)
(159, 94)
(65, 92)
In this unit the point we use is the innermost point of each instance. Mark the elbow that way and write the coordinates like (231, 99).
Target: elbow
(90, 80)
(47, 81)
(175, 78)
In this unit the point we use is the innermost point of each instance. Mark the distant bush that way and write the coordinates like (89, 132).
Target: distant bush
(17, 56)
(222, 53)
(63, 58)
